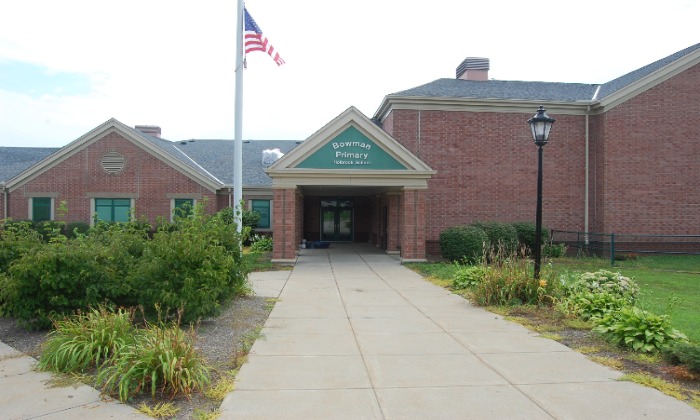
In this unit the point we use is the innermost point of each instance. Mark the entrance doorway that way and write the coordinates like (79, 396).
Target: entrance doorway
(337, 219)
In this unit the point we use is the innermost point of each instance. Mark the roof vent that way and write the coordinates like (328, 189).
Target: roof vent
(113, 162)
(150, 130)
(270, 156)
(473, 68)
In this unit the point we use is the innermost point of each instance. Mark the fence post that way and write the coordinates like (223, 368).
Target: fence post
(578, 243)
(612, 250)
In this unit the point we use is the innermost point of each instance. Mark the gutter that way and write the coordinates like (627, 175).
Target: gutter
(586, 203)
(4, 201)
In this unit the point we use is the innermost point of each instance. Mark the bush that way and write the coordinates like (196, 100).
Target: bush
(603, 281)
(16, 239)
(463, 243)
(527, 235)
(638, 330)
(86, 340)
(261, 243)
(74, 229)
(684, 353)
(554, 250)
(511, 283)
(503, 238)
(161, 359)
(468, 276)
(56, 279)
(193, 267)
(588, 305)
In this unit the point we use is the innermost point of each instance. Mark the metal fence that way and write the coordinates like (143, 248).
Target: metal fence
(614, 245)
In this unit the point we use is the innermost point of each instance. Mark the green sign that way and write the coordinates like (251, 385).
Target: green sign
(350, 150)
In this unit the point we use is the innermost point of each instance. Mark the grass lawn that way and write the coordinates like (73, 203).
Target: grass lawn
(670, 284)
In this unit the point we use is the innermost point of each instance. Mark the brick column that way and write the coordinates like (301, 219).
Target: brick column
(393, 240)
(413, 225)
(285, 230)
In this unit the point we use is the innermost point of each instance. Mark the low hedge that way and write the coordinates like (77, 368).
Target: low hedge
(463, 243)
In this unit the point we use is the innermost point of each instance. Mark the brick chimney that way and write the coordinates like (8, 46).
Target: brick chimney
(473, 68)
(150, 130)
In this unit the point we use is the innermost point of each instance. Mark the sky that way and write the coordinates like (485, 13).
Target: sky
(68, 66)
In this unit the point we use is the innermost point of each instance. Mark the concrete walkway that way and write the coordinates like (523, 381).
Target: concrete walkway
(357, 336)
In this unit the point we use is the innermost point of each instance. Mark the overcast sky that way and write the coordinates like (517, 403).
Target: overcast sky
(67, 66)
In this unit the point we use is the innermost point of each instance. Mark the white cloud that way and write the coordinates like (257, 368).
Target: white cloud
(171, 63)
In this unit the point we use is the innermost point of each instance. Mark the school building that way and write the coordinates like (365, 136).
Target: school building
(623, 156)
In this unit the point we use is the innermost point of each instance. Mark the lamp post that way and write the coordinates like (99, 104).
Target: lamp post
(540, 125)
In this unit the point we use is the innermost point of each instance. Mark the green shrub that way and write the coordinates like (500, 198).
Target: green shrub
(639, 330)
(86, 340)
(74, 229)
(511, 283)
(161, 359)
(261, 243)
(193, 267)
(554, 250)
(503, 238)
(684, 353)
(467, 276)
(463, 243)
(16, 239)
(603, 281)
(527, 235)
(58, 278)
(588, 305)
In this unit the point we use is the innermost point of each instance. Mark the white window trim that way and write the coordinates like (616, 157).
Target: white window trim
(30, 213)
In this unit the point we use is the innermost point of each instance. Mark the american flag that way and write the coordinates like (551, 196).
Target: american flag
(256, 41)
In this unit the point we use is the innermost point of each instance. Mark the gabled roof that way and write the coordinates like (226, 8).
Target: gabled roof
(15, 160)
(289, 171)
(516, 96)
(148, 143)
(209, 161)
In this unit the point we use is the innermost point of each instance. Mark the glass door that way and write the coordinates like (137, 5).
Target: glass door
(337, 220)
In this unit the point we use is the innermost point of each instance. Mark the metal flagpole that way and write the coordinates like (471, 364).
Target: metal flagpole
(238, 124)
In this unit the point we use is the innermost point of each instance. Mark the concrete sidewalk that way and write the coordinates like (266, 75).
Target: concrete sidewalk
(28, 394)
(357, 336)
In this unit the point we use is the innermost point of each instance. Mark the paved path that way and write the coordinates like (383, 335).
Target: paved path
(357, 336)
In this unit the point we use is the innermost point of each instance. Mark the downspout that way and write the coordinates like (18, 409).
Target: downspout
(585, 193)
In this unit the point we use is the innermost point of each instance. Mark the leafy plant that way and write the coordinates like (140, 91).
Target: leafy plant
(261, 243)
(684, 353)
(463, 243)
(555, 250)
(161, 359)
(639, 330)
(603, 281)
(86, 340)
(467, 276)
(589, 305)
(503, 237)
(510, 283)
(527, 235)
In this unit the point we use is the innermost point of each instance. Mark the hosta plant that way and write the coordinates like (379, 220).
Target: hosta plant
(603, 281)
(467, 276)
(638, 330)
(588, 305)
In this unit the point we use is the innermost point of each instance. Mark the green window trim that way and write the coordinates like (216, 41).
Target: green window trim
(113, 209)
(262, 207)
(41, 209)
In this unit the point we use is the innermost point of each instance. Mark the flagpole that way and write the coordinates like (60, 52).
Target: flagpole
(238, 124)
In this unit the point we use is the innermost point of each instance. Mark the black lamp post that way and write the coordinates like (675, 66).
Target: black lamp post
(541, 125)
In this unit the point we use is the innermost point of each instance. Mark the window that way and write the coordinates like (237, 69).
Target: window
(183, 207)
(41, 209)
(113, 209)
(262, 207)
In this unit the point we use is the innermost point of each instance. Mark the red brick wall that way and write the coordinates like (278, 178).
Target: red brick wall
(286, 223)
(486, 167)
(649, 160)
(145, 176)
(413, 224)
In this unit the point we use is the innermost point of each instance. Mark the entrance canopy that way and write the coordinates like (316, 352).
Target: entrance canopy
(350, 151)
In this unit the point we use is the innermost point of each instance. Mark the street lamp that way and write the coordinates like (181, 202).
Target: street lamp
(541, 125)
